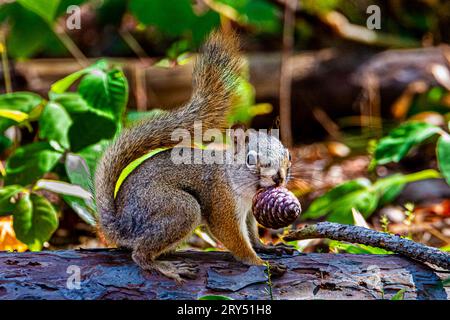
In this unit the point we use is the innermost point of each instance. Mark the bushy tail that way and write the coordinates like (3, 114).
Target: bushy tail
(215, 78)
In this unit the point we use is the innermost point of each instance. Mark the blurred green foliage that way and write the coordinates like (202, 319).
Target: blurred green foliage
(361, 194)
(396, 145)
(355, 248)
(74, 128)
(176, 19)
(162, 23)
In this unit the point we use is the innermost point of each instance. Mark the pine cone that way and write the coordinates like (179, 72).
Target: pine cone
(275, 207)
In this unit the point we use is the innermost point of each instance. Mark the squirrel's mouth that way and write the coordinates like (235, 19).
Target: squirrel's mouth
(265, 182)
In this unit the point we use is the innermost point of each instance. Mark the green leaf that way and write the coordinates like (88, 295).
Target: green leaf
(97, 109)
(21, 42)
(85, 209)
(30, 162)
(215, 297)
(400, 295)
(356, 248)
(262, 14)
(170, 16)
(399, 142)
(62, 85)
(364, 201)
(385, 184)
(89, 125)
(106, 91)
(34, 220)
(5, 11)
(78, 171)
(6, 194)
(92, 154)
(20, 101)
(360, 194)
(5, 143)
(62, 187)
(71, 101)
(46, 9)
(390, 193)
(443, 156)
(17, 116)
(322, 206)
(89, 128)
(23, 102)
(314, 7)
(54, 124)
(204, 24)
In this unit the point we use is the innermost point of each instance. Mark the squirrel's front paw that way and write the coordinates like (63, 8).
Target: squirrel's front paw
(278, 249)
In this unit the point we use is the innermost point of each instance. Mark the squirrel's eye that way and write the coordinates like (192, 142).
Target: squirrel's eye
(289, 156)
(252, 159)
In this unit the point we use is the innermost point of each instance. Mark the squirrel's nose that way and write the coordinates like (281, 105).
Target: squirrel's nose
(280, 177)
(277, 179)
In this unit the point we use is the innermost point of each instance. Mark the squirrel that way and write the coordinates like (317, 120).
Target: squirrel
(161, 203)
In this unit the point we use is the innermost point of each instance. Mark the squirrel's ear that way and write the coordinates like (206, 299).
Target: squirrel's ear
(239, 138)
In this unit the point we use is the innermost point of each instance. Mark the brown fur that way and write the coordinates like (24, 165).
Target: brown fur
(161, 203)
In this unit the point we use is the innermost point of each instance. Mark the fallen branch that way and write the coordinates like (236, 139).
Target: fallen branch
(112, 274)
(372, 238)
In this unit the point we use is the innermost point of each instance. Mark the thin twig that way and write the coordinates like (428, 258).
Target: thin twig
(5, 64)
(370, 105)
(345, 29)
(327, 123)
(134, 45)
(71, 46)
(355, 234)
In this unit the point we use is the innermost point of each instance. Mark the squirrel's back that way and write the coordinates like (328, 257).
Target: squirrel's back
(215, 78)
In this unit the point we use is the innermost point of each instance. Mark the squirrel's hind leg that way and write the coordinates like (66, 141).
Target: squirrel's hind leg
(178, 272)
(173, 217)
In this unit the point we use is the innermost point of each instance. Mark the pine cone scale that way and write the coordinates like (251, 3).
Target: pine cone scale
(275, 207)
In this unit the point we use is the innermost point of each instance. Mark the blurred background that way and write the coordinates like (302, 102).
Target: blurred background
(359, 89)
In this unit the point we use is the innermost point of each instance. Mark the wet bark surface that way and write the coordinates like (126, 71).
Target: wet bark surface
(111, 274)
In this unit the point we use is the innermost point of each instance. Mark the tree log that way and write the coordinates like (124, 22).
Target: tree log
(111, 274)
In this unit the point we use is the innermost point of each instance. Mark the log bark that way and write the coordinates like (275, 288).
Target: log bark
(111, 274)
